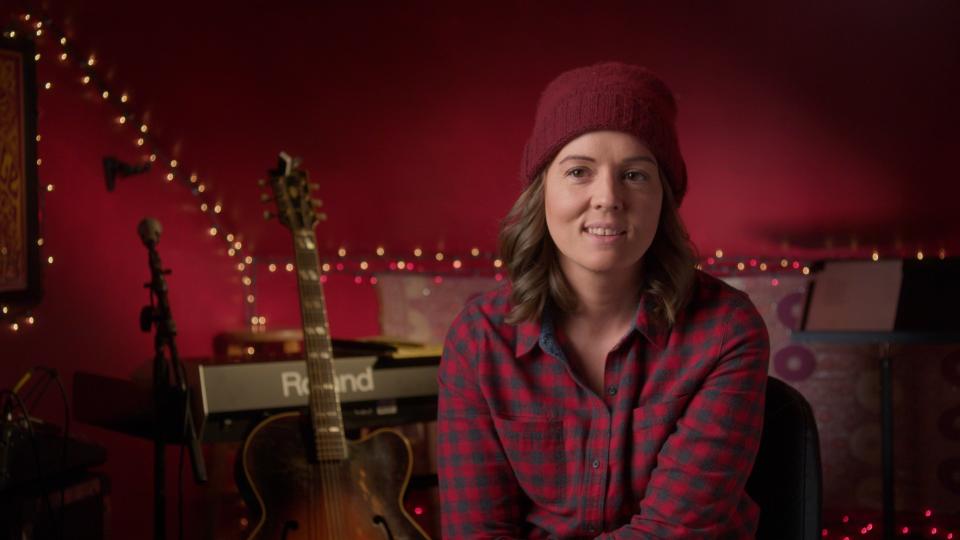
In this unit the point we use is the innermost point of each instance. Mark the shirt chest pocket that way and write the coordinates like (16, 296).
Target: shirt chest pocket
(535, 449)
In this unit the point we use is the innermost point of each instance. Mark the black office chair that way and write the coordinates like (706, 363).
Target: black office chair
(786, 477)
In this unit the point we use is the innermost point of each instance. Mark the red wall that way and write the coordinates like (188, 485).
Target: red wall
(813, 130)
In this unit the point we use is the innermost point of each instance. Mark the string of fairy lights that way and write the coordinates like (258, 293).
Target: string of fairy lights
(363, 266)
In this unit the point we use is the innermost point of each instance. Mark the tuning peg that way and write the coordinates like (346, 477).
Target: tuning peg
(313, 185)
(268, 214)
(261, 182)
(316, 203)
(265, 198)
(321, 216)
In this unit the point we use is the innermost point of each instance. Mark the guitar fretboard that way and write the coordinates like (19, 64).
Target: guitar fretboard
(325, 415)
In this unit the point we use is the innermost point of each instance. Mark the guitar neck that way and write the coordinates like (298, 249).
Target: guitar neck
(326, 419)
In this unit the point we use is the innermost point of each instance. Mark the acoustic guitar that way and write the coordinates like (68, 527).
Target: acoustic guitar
(298, 472)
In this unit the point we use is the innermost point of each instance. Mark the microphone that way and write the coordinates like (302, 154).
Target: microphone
(149, 230)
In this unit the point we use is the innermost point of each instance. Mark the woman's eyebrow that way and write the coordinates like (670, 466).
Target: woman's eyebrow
(581, 158)
(640, 158)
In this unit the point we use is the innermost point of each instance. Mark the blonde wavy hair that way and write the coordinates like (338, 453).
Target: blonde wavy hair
(669, 265)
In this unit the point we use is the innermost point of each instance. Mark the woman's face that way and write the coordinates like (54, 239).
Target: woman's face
(602, 197)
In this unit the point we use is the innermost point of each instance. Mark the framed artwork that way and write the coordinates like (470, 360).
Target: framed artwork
(20, 268)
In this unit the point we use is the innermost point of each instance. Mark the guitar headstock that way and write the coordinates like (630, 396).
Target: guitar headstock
(291, 192)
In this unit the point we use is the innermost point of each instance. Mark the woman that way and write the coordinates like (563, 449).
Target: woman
(611, 390)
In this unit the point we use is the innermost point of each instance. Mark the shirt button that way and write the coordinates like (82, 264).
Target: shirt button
(596, 464)
(612, 390)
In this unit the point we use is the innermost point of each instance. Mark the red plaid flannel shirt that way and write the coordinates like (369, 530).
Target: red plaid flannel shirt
(526, 450)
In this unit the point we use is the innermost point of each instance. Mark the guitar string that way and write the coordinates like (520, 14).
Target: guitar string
(314, 375)
(326, 376)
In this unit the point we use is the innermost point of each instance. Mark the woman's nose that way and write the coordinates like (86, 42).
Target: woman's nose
(606, 193)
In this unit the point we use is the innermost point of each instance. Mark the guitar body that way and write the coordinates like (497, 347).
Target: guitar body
(359, 498)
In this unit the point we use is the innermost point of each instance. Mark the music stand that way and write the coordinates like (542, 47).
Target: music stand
(885, 303)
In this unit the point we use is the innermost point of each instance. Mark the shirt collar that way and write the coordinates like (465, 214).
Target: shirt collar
(650, 326)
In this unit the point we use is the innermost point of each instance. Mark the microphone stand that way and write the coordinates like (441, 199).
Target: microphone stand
(157, 314)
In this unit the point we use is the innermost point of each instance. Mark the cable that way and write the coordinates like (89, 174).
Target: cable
(54, 376)
(33, 443)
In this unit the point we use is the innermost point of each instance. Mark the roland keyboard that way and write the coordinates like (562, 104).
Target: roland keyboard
(228, 399)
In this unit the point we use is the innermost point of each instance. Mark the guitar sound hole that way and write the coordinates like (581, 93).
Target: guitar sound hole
(378, 520)
(291, 525)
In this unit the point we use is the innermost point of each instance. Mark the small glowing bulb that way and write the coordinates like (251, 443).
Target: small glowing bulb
(91, 61)
(217, 209)
(105, 94)
(63, 41)
(26, 16)
(169, 177)
(289, 267)
(272, 267)
(875, 256)
(247, 281)
(48, 85)
(439, 256)
(122, 119)
(230, 237)
(193, 178)
(63, 57)
(15, 327)
(401, 265)
(203, 207)
(201, 188)
(36, 57)
(38, 138)
(254, 320)
(249, 259)
(124, 98)
(39, 161)
(85, 79)
(363, 265)
(919, 255)
(241, 266)
(50, 259)
(457, 264)
(251, 350)
(342, 252)
(153, 157)
(325, 267)
(213, 231)
(140, 141)
(237, 244)
(497, 263)
(417, 252)
(475, 251)
(39, 32)
(250, 298)
(740, 266)
(173, 163)
(380, 251)
(262, 320)
(40, 241)
(49, 187)
(763, 266)
(5, 310)
(719, 253)
(143, 128)
(231, 252)
(806, 270)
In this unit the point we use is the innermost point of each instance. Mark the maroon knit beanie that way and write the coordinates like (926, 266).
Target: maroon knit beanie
(610, 96)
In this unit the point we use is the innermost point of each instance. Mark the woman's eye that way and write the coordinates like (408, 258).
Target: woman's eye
(577, 172)
(634, 176)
